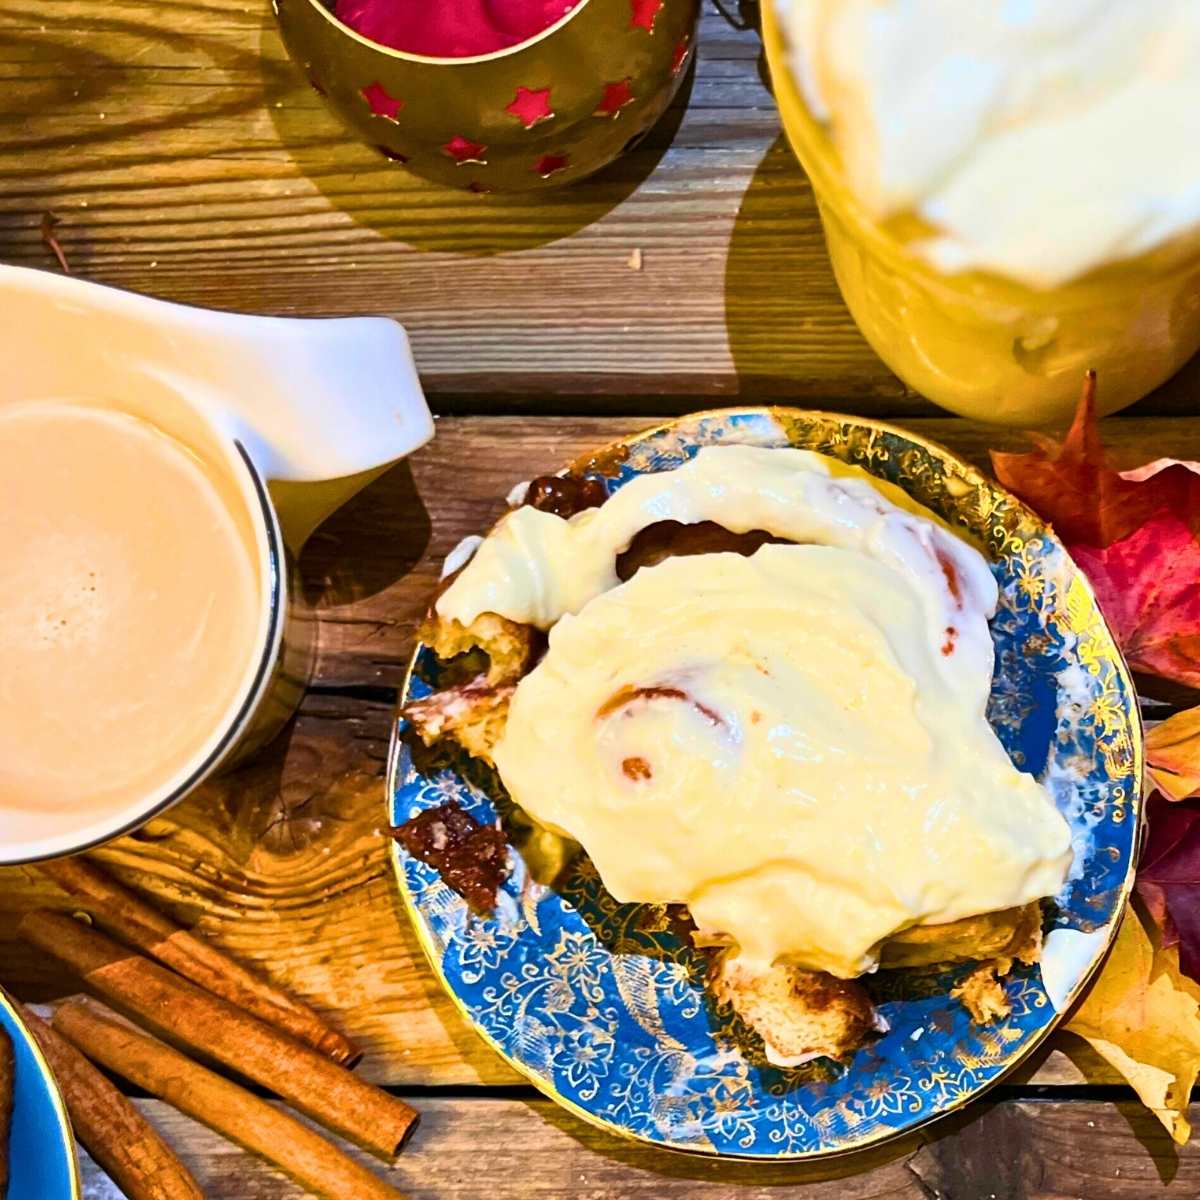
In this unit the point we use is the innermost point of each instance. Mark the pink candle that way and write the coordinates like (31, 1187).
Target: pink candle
(451, 28)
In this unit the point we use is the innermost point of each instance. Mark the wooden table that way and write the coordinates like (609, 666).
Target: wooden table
(186, 157)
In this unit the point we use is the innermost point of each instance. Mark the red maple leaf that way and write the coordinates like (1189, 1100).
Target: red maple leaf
(1076, 487)
(1148, 586)
(1132, 532)
(1169, 875)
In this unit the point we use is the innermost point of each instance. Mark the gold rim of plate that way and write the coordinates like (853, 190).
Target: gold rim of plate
(875, 1140)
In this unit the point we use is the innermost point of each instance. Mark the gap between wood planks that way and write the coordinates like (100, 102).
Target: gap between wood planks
(414, 1093)
(618, 397)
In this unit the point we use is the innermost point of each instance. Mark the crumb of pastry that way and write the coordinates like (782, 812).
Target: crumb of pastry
(983, 994)
(470, 857)
(800, 1015)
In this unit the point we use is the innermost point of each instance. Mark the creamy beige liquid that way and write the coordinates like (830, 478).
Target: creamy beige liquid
(129, 612)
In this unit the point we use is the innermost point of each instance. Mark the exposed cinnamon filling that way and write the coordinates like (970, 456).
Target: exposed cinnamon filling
(636, 768)
(633, 695)
(671, 539)
(950, 572)
(565, 495)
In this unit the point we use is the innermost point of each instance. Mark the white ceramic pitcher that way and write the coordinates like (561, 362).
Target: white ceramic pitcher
(299, 413)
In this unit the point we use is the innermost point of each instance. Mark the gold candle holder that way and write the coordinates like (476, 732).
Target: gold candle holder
(543, 113)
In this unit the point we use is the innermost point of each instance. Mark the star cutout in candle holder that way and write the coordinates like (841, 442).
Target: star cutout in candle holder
(530, 106)
(381, 103)
(549, 164)
(464, 151)
(616, 96)
(680, 55)
(643, 14)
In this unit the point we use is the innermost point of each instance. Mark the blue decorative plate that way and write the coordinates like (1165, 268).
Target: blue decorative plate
(41, 1149)
(601, 1005)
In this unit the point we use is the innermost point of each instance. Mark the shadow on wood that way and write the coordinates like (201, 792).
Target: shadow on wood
(790, 335)
(369, 544)
(1179, 395)
(677, 1165)
(1148, 1130)
(383, 196)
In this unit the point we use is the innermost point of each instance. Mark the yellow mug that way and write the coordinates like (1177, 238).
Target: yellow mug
(978, 344)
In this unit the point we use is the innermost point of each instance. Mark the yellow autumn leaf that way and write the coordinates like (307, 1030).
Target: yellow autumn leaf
(1173, 755)
(1143, 1017)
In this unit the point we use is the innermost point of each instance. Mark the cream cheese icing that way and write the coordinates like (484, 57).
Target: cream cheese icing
(534, 566)
(792, 744)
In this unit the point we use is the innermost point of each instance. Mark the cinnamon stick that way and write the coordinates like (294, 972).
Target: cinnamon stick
(116, 1135)
(211, 1026)
(7, 1085)
(133, 920)
(216, 1102)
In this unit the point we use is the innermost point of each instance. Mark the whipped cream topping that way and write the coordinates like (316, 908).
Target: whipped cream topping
(793, 744)
(1041, 138)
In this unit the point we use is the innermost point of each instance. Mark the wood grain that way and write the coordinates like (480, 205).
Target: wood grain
(284, 865)
(188, 158)
(479, 1148)
(373, 567)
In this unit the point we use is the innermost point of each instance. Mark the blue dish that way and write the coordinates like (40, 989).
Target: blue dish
(41, 1148)
(601, 1005)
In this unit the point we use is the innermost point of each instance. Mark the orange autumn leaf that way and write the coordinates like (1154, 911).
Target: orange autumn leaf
(1173, 755)
(1143, 1017)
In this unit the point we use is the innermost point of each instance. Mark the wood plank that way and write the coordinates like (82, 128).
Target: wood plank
(482, 1148)
(372, 568)
(187, 157)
